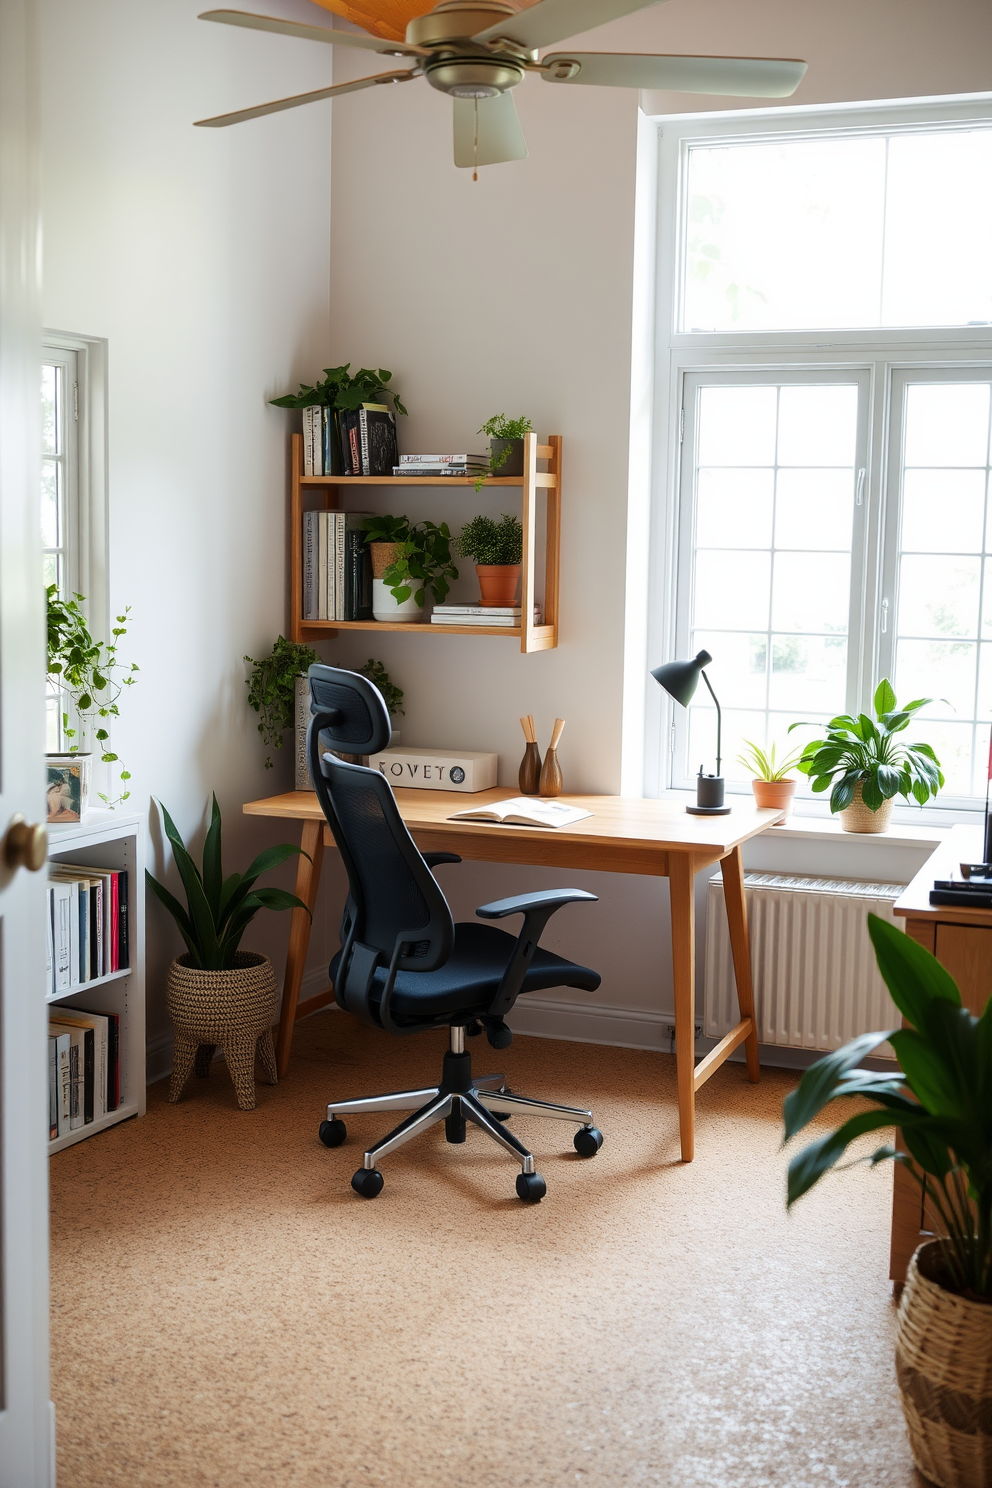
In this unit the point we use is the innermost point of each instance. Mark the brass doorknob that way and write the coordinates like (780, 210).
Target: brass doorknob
(25, 846)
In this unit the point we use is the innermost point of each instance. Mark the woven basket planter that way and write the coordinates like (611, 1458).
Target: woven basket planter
(944, 1369)
(860, 818)
(234, 1009)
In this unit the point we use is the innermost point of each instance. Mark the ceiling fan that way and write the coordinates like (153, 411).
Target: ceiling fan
(476, 51)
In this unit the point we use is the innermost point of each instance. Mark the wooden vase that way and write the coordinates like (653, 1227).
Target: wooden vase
(551, 781)
(529, 778)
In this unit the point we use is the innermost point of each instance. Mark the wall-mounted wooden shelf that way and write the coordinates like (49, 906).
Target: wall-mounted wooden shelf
(531, 637)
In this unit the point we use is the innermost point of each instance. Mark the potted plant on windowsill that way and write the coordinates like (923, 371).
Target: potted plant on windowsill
(865, 768)
(408, 560)
(216, 993)
(771, 784)
(941, 1099)
(506, 444)
(497, 548)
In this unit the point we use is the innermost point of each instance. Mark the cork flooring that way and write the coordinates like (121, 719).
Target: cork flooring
(227, 1313)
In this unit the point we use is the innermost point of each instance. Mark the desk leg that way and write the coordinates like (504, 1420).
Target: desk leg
(732, 868)
(680, 882)
(307, 881)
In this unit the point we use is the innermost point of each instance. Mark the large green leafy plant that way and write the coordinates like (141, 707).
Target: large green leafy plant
(344, 390)
(272, 689)
(492, 542)
(423, 557)
(941, 1099)
(218, 909)
(864, 751)
(90, 677)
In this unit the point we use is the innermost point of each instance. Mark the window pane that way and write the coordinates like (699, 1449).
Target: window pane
(737, 425)
(814, 509)
(805, 670)
(734, 507)
(50, 504)
(742, 666)
(817, 425)
(938, 596)
(49, 412)
(943, 511)
(942, 670)
(810, 592)
(947, 423)
(732, 589)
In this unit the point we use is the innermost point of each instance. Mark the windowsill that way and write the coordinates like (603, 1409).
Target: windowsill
(816, 827)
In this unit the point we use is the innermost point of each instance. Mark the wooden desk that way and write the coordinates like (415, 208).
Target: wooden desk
(624, 835)
(961, 939)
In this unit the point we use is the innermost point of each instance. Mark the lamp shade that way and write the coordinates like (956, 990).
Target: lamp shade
(680, 678)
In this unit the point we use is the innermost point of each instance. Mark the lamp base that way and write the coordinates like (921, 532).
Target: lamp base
(709, 810)
(709, 797)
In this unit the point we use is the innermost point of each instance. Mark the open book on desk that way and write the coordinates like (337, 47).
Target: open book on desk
(524, 811)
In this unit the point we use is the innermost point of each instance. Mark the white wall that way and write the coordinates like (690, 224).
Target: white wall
(201, 255)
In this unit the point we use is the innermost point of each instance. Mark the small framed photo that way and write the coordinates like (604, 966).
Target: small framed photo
(68, 787)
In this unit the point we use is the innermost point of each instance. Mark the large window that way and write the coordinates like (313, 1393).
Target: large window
(829, 371)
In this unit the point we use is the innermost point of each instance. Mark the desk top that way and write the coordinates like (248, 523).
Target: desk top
(961, 845)
(619, 821)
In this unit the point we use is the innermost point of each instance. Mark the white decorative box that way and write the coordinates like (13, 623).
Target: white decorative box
(437, 769)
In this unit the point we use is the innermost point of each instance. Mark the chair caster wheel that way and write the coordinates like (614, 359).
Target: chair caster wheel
(332, 1133)
(587, 1141)
(367, 1182)
(531, 1187)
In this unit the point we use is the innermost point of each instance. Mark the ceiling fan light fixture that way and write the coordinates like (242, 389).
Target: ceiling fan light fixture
(473, 77)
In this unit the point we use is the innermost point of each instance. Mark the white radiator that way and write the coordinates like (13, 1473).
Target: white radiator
(816, 983)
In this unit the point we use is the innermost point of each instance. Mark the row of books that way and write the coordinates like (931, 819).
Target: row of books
(337, 568)
(87, 929)
(354, 442)
(84, 1068)
(469, 614)
(442, 465)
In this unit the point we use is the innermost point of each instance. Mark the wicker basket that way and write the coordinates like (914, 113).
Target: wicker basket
(234, 1009)
(944, 1369)
(860, 818)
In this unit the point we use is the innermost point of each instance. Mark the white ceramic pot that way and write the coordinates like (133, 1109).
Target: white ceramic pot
(69, 777)
(385, 607)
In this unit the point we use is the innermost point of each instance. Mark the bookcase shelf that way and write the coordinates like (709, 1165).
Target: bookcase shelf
(531, 637)
(110, 839)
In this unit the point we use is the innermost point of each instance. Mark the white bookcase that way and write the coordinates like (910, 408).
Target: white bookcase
(111, 839)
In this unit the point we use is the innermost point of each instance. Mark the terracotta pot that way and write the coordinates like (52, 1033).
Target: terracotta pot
(944, 1370)
(860, 818)
(777, 794)
(233, 1008)
(498, 583)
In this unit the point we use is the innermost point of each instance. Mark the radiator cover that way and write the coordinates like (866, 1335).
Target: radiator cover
(816, 983)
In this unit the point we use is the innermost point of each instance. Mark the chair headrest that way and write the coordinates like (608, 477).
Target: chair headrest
(350, 710)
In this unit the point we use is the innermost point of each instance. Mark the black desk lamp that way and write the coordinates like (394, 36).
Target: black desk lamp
(680, 679)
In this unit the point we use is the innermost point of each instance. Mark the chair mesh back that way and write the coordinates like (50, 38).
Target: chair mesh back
(387, 892)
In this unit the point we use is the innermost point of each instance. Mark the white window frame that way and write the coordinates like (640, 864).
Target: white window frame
(878, 353)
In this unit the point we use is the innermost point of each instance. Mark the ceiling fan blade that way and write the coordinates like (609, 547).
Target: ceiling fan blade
(746, 77)
(311, 33)
(552, 20)
(220, 120)
(487, 131)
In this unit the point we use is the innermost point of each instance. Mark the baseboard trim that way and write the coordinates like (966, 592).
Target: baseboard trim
(158, 1058)
(591, 1023)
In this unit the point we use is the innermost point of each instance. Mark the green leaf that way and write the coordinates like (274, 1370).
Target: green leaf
(809, 1166)
(212, 871)
(929, 1077)
(820, 1083)
(178, 914)
(914, 977)
(885, 698)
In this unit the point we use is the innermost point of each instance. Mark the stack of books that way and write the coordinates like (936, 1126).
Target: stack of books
(337, 570)
(442, 465)
(87, 925)
(476, 614)
(358, 442)
(84, 1068)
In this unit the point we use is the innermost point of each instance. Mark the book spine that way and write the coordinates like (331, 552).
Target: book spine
(337, 461)
(363, 436)
(84, 931)
(74, 933)
(62, 906)
(114, 921)
(75, 1079)
(322, 565)
(326, 426)
(113, 1061)
(340, 532)
(123, 922)
(318, 441)
(101, 940)
(308, 441)
(89, 1040)
(352, 576)
(53, 1087)
(65, 1082)
(356, 454)
(50, 942)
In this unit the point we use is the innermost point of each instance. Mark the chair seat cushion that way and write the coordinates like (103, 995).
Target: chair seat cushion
(468, 980)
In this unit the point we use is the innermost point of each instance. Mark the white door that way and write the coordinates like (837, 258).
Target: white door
(26, 1458)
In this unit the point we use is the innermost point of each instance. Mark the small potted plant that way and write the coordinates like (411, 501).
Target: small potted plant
(217, 993)
(865, 768)
(90, 678)
(408, 559)
(497, 548)
(506, 444)
(940, 1100)
(279, 692)
(771, 784)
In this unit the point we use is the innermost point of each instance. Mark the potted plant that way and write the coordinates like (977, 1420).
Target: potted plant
(90, 677)
(217, 993)
(407, 560)
(343, 392)
(863, 766)
(506, 444)
(941, 1099)
(771, 785)
(497, 548)
(277, 687)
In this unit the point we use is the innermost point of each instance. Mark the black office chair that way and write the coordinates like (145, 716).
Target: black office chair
(405, 966)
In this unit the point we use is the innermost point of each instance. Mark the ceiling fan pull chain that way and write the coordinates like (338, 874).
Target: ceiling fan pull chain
(475, 169)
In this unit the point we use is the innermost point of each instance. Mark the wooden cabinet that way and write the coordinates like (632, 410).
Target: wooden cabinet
(310, 491)
(961, 939)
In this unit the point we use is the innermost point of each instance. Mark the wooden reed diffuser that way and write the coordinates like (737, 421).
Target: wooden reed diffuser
(551, 781)
(529, 778)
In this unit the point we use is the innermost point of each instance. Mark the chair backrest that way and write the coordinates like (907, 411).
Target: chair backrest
(394, 896)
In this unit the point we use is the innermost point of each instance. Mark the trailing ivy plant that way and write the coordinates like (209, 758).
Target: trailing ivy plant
(219, 910)
(864, 751)
(272, 689)
(423, 557)
(392, 695)
(502, 428)
(91, 676)
(344, 390)
(490, 542)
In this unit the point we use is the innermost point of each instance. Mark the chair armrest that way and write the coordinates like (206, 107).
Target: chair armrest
(550, 900)
(433, 859)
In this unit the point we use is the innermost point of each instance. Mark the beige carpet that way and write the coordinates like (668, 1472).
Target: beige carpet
(226, 1312)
